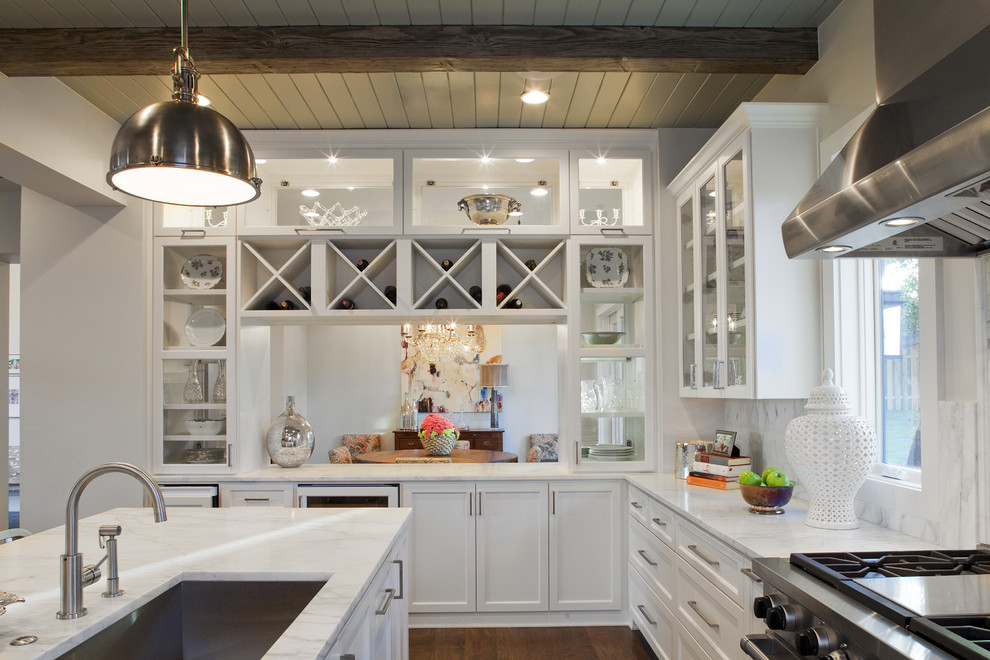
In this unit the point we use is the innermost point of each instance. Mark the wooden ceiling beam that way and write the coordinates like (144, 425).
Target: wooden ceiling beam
(409, 48)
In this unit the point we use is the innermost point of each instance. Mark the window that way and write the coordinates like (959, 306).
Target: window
(897, 351)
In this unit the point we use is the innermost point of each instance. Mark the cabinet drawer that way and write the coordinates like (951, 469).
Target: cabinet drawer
(712, 619)
(653, 560)
(639, 505)
(255, 496)
(660, 521)
(652, 617)
(714, 560)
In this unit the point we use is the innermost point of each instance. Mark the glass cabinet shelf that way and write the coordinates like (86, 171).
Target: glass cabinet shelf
(436, 186)
(333, 194)
(611, 195)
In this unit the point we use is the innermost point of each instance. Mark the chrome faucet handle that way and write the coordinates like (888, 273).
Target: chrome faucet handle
(7, 598)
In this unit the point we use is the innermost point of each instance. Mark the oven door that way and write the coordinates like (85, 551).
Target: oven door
(765, 647)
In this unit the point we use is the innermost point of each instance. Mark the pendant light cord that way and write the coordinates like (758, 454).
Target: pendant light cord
(185, 77)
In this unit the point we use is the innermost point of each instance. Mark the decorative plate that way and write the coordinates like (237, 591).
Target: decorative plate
(202, 272)
(205, 327)
(606, 268)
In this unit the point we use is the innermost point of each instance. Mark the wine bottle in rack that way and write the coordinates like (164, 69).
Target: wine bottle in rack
(347, 303)
(501, 292)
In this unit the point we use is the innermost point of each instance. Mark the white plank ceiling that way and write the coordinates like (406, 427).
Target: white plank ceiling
(430, 100)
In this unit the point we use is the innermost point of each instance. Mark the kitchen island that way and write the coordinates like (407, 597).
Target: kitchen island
(345, 547)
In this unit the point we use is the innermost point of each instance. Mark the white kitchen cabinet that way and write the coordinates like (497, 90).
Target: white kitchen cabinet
(612, 352)
(679, 570)
(256, 494)
(749, 317)
(585, 546)
(612, 194)
(378, 627)
(194, 371)
(515, 546)
(478, 547)
(436, 181)
(193, 221)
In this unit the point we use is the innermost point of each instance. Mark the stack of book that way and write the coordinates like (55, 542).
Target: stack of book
(717, 471)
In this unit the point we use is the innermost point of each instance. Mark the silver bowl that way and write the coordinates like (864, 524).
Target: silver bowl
(601, 338)
(489, 209)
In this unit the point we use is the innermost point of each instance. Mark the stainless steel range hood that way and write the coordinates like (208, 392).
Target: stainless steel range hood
(924, 153)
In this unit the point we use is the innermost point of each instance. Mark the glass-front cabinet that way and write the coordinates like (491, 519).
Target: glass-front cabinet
(612, 197)
(194, 221)
(194, 375)
(345, 193)
(614, 354)
(730, 201)
(469, 192)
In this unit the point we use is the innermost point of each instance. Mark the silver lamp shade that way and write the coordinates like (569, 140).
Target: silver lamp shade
(178, 152)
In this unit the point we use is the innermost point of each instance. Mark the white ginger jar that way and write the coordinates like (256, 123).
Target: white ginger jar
(832, 451)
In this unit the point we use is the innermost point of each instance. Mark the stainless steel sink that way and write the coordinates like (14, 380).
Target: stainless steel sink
(203, 619)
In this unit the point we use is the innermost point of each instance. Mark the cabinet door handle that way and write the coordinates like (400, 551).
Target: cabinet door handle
(696, 550)
(257, 499)
(613, 231)
(300, 230)
(636, 505)
(717, 376)
(748, 572)
(693, 604)
(649, 619)
(193, 233)
(389, 595)
(658, 522)
(230, 455)
(402, 588)
(692, 376)
(553, 503)
(479, 503)
(646, 557)
(470, 504)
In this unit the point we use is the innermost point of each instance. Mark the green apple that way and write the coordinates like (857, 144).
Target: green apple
(767, 472)
(750, 478)
(776, 479)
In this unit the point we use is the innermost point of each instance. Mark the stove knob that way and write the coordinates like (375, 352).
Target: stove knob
(788, 617)
(762, 604)
(818, 641)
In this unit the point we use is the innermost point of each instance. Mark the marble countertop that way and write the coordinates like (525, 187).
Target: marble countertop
(726, 516)
(343, 546)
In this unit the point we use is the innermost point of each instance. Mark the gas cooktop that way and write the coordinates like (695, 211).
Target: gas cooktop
(941, 596)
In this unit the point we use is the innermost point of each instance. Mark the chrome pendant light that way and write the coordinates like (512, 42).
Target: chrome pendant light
(179, 152)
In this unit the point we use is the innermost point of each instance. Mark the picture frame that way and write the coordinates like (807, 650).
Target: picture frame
(724, 442)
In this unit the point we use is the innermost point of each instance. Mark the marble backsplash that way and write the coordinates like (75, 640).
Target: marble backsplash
(761, 424)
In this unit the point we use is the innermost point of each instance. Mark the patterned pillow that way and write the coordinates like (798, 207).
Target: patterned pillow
(542, 448)
(362, 443)
(340, 455)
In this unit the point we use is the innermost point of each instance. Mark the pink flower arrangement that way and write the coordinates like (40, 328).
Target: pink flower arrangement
(437, 425)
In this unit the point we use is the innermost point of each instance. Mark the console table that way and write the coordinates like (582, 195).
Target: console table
(490, 439)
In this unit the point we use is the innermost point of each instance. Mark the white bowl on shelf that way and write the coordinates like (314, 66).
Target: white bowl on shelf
(204, 426)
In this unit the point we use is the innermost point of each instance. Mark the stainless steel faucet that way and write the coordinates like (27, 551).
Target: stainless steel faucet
(73, 575)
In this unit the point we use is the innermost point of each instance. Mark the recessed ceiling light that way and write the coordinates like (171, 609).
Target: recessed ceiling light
(525, 160)
(260, 161)
(513, 213)
(309, 192)
(485, 159)
(350, 187)
(601, 160)
(539, 192)
(900, 222)
(834, 249)
(331, 159)
(535, 97)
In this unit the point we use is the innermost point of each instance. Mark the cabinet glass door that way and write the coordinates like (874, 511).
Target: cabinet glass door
(709, 271)
(610, 195)
(613, 403)
(734, 194)
(688, 288)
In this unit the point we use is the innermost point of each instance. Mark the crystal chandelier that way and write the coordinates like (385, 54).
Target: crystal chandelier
(442, 342)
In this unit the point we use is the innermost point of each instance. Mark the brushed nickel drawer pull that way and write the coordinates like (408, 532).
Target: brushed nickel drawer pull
(402, 589)
(636, 505)
(659, 523)
(646, 557)
(193, 233)
(708, 560)
(748, 572)
(257, 499)
(648, 618)
(388, 602)
(697, 610)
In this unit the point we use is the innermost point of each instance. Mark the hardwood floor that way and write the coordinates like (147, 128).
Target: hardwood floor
(598, 643)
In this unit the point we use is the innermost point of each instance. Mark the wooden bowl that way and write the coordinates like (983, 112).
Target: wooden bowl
(766, 500)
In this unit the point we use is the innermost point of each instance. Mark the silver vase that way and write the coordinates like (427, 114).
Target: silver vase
(290, 438)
